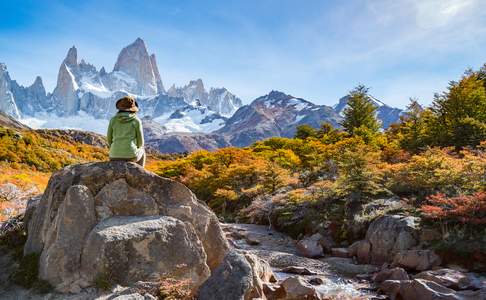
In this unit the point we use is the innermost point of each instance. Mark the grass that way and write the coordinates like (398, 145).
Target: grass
(103, 281)
(27, 274)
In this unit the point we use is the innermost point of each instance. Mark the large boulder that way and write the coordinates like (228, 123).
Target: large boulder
(117, 219)
(148, 248)
(390, 234)
(421, 289)
(239, 277)
(453, 279)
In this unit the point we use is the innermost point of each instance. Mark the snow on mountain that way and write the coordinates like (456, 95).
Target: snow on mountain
(84, 92)
(136, 63)
(7, 101)
(219, 100)
(275, 114)
(192, 118)
(189, 116)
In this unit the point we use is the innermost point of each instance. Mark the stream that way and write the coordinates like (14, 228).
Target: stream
(341, 277)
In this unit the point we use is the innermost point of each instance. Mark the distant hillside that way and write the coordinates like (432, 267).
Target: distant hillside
(7, 121)
(47, 150)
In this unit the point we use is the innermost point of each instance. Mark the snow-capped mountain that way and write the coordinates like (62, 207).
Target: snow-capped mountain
(189, 116)
(7, 101)
(82, 90)
(387, 115)
(219, 100)
(192, 118)
(275, 114)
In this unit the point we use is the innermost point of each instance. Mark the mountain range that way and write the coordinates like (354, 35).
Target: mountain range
(178, 119)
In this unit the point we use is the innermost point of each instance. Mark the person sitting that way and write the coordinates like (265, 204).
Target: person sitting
(125, 133)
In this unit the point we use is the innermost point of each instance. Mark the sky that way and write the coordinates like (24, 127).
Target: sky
(314, 49)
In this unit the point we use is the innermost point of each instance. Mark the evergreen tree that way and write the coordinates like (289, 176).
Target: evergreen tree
(359, 115)
(461, 112)
(305, 131)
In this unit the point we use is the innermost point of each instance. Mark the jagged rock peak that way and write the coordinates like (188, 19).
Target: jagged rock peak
(71, 57)
(38, 81)
(3, 67)
(135, 61)
(135, 51)
(198, 83)
(160, 86)
(277, 94)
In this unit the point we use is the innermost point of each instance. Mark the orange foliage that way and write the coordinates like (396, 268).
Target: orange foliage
(465, 209)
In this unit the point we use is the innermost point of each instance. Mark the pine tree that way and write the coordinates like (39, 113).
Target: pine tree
(359, 115)
(461, 112)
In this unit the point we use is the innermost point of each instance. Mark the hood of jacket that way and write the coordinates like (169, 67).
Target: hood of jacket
(125, 117)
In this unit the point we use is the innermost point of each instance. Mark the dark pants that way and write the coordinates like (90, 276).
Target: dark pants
(141, 161)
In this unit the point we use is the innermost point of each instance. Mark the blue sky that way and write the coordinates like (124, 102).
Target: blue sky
(317, 50)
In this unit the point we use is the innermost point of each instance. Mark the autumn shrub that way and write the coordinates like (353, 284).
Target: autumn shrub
(461, 221)
(468, 210)
(28, 148)
(438, 171)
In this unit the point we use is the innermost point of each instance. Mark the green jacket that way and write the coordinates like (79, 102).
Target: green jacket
(125, 136)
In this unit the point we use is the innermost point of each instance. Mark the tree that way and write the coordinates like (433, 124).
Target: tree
(413, 127)
(359, 115)
(305, 131)
(461, 111)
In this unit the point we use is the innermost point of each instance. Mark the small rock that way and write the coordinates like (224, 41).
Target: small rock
(316, 281)
(340, 252)
(360, 249)
(252, 241)
(298, 270)
(296, 288)
(347, 266)
(273, 291)
(311, 246)
(419, 260)
(134, 296)
(452, 279)
(391, 274)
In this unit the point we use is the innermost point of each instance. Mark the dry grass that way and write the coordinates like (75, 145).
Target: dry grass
(173, 289)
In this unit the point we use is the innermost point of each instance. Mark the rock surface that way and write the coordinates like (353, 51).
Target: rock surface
(419, 260)
(106, 218)
(296, 288)
(391, 274)
(390, 234)
(240, 277)
(453, 279)
(311, 246)
(421, 289)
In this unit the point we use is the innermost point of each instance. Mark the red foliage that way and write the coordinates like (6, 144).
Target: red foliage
(465, 209)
